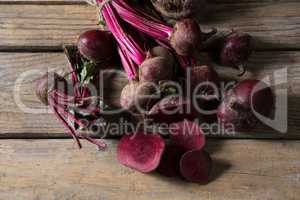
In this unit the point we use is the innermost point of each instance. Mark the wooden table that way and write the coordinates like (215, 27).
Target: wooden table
(39, 161)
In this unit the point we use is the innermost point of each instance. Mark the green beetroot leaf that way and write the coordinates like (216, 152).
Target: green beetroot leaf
(141, 151)
(196, 166)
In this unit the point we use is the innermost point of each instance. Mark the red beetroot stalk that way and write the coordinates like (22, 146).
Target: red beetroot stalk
(125, 40)
(57, 110)
(68, 101)
(128, 65)
(142, 21)
(71, 130)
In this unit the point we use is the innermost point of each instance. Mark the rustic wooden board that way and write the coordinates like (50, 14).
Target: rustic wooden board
(55, 169)
(14, 123)
(47, 25)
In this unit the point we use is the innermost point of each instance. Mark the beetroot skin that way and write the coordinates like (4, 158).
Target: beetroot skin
(196, 166)
(180, 9)
(169, 164)
(141, 151)
(186, 37)
(47, 83)
(156, 69)
(136, 96)
(172, 109)
(236, 50)
(236, 107)
(187, 135)
(96, 45)
(160, 51)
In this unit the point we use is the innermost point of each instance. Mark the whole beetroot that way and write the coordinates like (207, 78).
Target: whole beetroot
(156, 69)
(204, 91)
(141, 151)
(180, 9)
(49, 82)
(172, 109)
(187, 37)
(160, 51)
(237, 109)
(96, 45)
(236, 50)
(137, 97)
(204, 80)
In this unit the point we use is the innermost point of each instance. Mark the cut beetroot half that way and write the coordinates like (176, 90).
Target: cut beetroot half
(169, 164)
(172, 109)
(187, 135)
(196, 166)
(141, 151)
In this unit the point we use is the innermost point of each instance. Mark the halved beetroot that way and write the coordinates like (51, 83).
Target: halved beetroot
(196, 166)
(187, 135)
(172, 109)
(169, 164)
(140, 151)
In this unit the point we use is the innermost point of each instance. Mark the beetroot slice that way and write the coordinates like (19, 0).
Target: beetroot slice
(187, 135)
(169, 164)
(141, 151)
(172, 109)
(196, 166)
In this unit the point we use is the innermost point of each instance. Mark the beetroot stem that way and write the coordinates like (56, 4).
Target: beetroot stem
(71, 130)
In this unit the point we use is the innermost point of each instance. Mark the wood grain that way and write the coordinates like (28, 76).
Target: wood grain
(55, 169)
(44, 26)
(41, 25)
(15, 123)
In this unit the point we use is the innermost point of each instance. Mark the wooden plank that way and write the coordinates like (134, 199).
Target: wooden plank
(14, 123)
(45, 26)
(55, 169)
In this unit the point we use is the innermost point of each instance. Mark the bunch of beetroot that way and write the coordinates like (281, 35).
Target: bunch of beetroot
(165, 84)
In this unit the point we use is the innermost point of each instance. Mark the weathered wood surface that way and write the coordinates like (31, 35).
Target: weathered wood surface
(44, 25)
(55, 169)
(15, 123)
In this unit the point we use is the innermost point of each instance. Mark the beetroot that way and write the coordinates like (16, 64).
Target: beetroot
(206, 78)
(196, 166)
(236, 50)
(179, 9)
(141, 151)
(160, 51)
(239, 102)
(169, 164)
(137, 97)
(204, 90)
(96, 45)
(187, 135)
(156, 69)
(172, 109)
(47, 83)
(187, 37)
